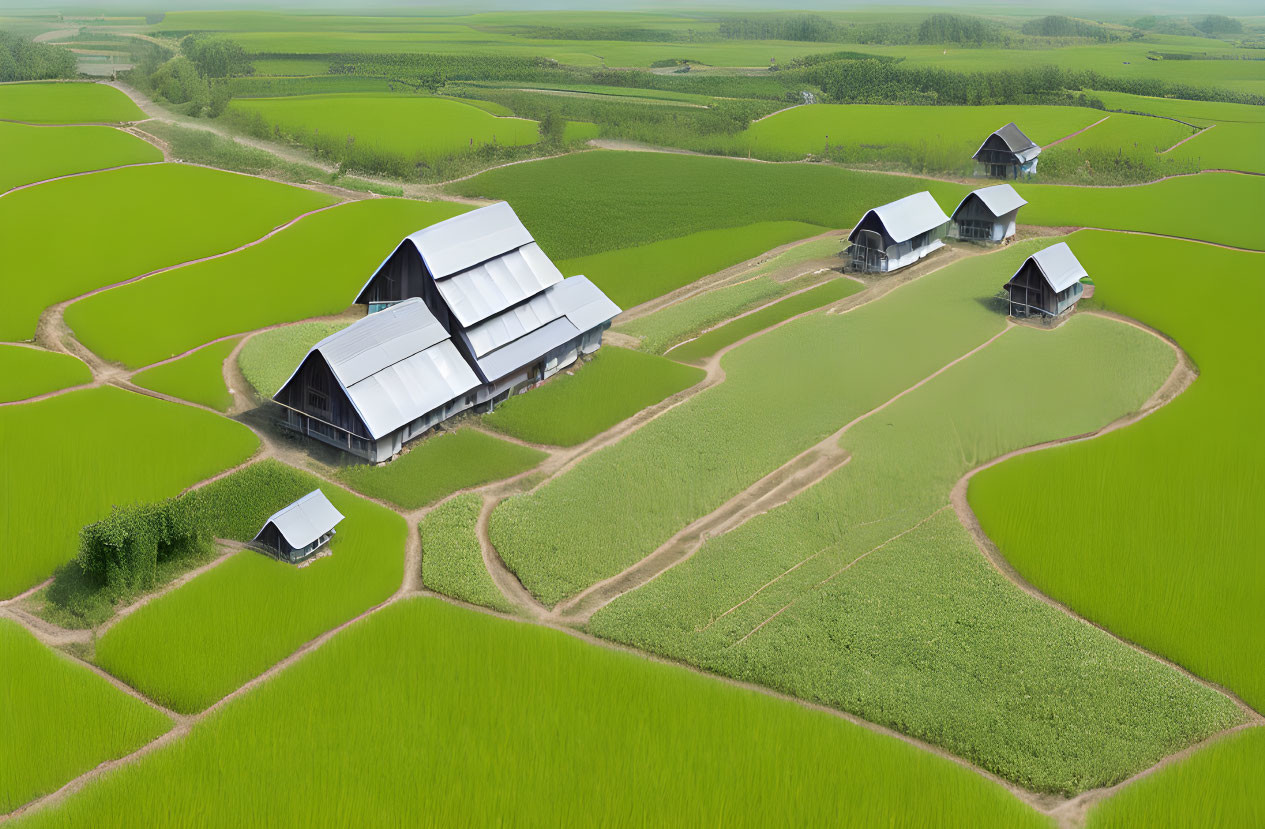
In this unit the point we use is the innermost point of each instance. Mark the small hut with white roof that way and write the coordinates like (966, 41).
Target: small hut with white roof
(1047, 284)
(897, 234)
(299, 530)
(987, 214)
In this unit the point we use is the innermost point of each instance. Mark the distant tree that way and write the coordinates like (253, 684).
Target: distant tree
(958, 28)
(216, 57)
(23, 60)
(1219, 24)
(552, 127)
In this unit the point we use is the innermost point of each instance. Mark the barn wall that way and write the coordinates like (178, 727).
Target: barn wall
(315, 373)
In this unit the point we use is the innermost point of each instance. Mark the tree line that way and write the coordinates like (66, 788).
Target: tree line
(21, 59)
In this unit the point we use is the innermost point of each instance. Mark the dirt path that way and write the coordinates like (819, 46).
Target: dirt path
(509, 585)
(1196, 134)
(1074, 134)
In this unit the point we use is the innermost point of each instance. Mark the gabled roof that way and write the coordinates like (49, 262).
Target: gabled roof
(464, 241)
(525, 333)
(478, 293)
(304, 521)
(1000, 199)
(905, 218)
(1058, 265)
(1015, 141)
(395, 366)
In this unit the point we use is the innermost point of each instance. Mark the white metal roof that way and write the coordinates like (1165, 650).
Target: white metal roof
(1058, 265)
(464, 241)
(304, 521)
(479, 292)
(906, 218)
(527, 349)
(1000, 199)
(395, 366)
(1015, 140)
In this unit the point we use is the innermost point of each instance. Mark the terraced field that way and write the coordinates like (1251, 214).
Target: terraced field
(39, 153)
(30, 372)
(66, 103)
(196, 377)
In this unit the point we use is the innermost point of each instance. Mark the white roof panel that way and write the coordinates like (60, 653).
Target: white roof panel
(406, 390)
(1059, 265)
(527, 349)
(906, 218)
(378, 340)
(304, 521)
(464, 241)
(1000, 199)
(575, 298)
(583, 302)
(475, 294)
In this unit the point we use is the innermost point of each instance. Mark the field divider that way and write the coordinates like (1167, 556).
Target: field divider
(79, 174)
(1178, 238)
(1074, 134)
(1195, 134)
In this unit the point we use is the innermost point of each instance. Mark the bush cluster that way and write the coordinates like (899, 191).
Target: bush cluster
(124, 548)
(24, 60)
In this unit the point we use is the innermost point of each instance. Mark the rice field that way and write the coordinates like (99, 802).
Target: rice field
(197, 377)
(330, 254)
(865, 592)
(452, 560)
(1167, 509)
(1128, 133)
(689, 461)
(66, 103)
(649, 197)
(415, 127)
(611, 386)
(192, 646)
(131, 448)
(34, 154)
(127, 223)
(269, 358)
(59, 719)
(633, 275)
(1228, 146)
(29, 372)
(568, 738)
(439, 465)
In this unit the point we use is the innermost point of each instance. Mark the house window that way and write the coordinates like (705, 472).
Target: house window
(317, 400)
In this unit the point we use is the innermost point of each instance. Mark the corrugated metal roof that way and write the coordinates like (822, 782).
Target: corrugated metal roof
(1059, 265)
(478, 293)
(1015, 141)
(527, 349)
(906, 218)
(584, 303)
(395, 365)
(1000, 199)
(464, 241)
(304, 521)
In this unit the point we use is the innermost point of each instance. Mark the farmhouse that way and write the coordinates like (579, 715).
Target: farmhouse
(380, 382)
(988, 214)
(897, 234)
(1007, 153)
(299, 530)
(1047, 284)
(505, 304)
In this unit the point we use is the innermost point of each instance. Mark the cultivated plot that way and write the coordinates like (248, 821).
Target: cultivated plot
(29, 372)
(34, 154)
(196, 377)
(66, 103)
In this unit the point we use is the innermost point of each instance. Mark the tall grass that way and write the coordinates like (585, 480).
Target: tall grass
(865, 592)
(27, 372)
(452, 559)
(69, 458)
(197, 377)
(610, 387)
(59, 719)
(192, 646)
(39, 153)
(668, 326)
(553, 732)
(269, 358)
(142, 220)
(439, 465)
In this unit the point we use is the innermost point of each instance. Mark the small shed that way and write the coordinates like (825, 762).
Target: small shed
(1047, 284)
(1007, 153)
(897, 234)
(987, 214)
(299, 530)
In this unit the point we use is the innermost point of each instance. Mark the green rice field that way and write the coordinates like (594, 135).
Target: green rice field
(1167, 508)
(123, 453)
(1129, 132)
(269, 358)
(28, 372)
(59, 719)
(196, 377)
(192, 646)
(569, 722)
(452, 560)
(610, 387)
(142, 219)
(38, 153)
(439, 465)
(415, 127)
(330, 253)
(635, 274)
(66, 103)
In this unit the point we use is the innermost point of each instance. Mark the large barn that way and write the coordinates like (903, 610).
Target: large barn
(897, 234)
(1007, 153)
(988, 214)
(297, 531)
(1047, 284)
(505, 304)
(380, 382)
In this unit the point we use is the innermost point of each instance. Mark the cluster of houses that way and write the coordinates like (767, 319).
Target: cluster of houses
(468, 311)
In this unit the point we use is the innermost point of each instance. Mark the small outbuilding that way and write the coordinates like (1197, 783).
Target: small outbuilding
(299, 530)
(1047, 284)
(1007, 153)
(987, 215)
(897, 234)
